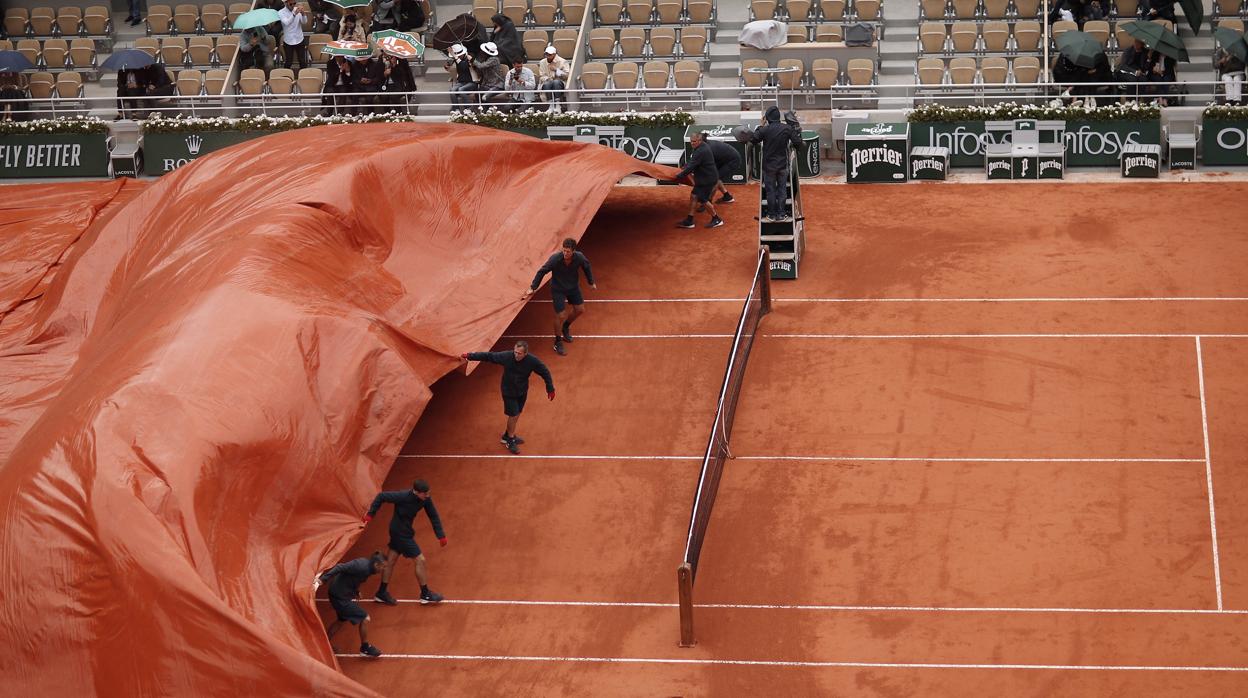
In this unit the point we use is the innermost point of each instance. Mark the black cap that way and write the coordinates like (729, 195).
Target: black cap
(420, 486)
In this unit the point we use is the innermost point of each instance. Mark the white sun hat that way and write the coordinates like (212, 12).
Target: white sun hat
(490, 48)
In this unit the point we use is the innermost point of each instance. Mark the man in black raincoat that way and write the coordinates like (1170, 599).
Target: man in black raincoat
(507, 39)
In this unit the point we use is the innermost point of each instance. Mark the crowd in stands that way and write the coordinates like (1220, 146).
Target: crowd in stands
(498, 75)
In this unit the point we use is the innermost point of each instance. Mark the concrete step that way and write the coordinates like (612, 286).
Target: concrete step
(724, 69)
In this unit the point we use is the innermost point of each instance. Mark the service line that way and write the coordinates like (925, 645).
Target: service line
(855, 459)
(1090, 299)
(834, 607)
(800, 664)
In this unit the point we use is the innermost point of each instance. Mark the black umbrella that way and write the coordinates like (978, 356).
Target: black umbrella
(14, 62)
(464, 29)
(1194, 11)
(128, 59)
(1080, 48)
(1158, 38)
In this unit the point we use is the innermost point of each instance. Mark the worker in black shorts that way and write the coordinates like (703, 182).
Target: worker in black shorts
(344, 581)
(407, 504)
(518, 364)
(565, 289)
(727, 160)
(705, 177)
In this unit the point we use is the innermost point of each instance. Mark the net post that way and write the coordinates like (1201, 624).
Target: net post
(764, 256)
(684, 578)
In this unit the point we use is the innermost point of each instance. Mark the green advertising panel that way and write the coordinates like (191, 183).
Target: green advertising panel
(1224, 142)
(641, 142)
(53, 155)
(166, 152)
(1088, 143)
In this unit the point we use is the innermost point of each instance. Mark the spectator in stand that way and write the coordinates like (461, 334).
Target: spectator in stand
(520, 84)
(294, 43)
(1231, 71)
(129, 84)
(463, 84)
(135, 17)
(253, 44)
(493, 74)
(385, 15)
(326, 17)
(397, 79)
(339, 79)
(351, 29)
(1140, 64)
(705, 176)
(553, 74)
(507, 39)
(370, 75)
(1084, 10)
(1157, 9)
(413, 14)
(776, 137)
(12, 90)
(156, 83)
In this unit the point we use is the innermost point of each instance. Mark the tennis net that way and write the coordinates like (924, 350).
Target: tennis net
(757, 304)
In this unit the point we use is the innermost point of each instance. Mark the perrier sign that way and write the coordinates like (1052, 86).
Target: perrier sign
(876, 152)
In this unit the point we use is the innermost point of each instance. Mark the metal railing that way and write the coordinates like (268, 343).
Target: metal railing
(642, 99)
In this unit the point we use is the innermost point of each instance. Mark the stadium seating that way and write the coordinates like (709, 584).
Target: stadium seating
(625, 76)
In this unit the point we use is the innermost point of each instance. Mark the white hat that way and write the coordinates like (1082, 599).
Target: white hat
(490, 48)
(551, 50)
(458, 50)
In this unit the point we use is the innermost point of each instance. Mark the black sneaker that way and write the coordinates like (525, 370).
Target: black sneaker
(559, 348)
(686, 223)
(503, 439)
(369, 650)
(725, 199)
(567, 333)
(427, 597)
(715, 222)
(514, 447)
(385, 597)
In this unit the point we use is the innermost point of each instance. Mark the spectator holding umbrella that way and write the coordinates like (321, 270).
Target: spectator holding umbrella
(369, 77)
(463, 81)
(12, 89)
(253, 44)
(1157, 9)
(1229, 59)
(396, 78)
(339, 79)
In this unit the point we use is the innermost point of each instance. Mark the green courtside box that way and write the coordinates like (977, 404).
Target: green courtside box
(929, 162)
(876, 152)
(1141, 160)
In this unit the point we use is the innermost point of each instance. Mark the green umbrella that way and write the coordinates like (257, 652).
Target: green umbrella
(1158, 38)
(348, 4)
(398, 44)
(354, 49)
(256, 18)
(1232, 41)
(1079, 48)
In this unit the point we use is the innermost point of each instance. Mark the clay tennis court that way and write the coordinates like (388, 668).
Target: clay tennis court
(990, 442)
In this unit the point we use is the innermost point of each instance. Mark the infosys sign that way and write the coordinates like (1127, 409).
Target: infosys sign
(1088, 143)
(1224, 142)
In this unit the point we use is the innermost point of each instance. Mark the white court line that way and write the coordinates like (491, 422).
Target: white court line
(1090, 299)
(866, 459)
(806, 664)
(834, 607)
(1030, 335)
(1213, 519)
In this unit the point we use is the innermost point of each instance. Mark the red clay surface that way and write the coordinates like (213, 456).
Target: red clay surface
(921, 505)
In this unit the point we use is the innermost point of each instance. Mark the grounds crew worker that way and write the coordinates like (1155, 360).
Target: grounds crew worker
(518, 364)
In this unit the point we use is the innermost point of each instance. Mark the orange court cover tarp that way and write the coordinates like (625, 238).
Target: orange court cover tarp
(204, 381)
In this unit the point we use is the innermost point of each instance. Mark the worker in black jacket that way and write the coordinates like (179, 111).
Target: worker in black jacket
(518, 364)
(776, 137)
(727, 160)
(565, 268)
(705, 177)
(407, 504)
(344, 581)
